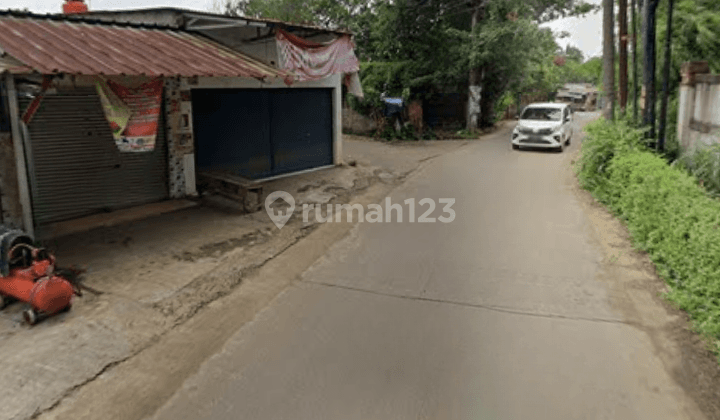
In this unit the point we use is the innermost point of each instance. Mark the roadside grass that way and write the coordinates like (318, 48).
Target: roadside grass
(467, 135)
(668, 213)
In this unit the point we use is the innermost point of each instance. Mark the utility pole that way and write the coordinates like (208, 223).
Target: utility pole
(474, 80)
(649, 7)
(623, 56)
(634, 60)
(608, 59)
(666, 79)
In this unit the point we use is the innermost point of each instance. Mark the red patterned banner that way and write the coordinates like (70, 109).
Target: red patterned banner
(133, 113)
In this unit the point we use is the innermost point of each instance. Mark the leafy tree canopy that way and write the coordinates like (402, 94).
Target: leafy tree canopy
(429, 44)
(574, 53)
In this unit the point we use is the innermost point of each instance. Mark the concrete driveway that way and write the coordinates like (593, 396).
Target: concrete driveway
(508, 312)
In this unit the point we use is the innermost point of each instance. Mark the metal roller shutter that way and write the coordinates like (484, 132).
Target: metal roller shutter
(259, 133)
(79, 170)
(232, 131)
(301, 133)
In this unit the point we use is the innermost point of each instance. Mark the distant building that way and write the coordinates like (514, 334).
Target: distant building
(581, 97)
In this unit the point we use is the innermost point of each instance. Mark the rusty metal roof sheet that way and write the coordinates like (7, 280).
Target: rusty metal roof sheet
(195, 13)
(51, 46)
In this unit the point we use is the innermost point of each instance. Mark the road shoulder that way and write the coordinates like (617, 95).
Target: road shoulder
(137, 386)
(630, 274)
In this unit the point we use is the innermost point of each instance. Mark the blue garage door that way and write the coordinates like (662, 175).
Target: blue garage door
(259, 133)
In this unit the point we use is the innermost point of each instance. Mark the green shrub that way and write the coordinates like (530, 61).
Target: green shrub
(704, 164)
(604, 140)
(394, 78)
(388, 131)
(668, 214)
(465, 134)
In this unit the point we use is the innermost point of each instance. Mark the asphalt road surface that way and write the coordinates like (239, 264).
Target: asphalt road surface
(495, 315)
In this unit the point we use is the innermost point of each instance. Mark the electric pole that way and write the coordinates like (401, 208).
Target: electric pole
(666, 79)
(623, 56)
(608, 59)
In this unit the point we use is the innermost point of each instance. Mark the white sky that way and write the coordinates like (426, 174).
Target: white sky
(585, 33)
(55, 6)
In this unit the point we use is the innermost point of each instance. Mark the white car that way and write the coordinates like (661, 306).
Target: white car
(544, 125)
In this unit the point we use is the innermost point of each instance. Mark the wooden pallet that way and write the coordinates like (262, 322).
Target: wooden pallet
(232, 186)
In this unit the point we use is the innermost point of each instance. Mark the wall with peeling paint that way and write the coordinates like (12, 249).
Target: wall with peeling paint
(698, 107)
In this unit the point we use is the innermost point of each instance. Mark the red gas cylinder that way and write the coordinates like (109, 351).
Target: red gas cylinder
(71, 7)
(51, 295)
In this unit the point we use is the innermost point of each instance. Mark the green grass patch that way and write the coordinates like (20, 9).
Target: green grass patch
(669, 215)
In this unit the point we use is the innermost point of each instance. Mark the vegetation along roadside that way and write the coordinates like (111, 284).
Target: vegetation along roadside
(668, 212)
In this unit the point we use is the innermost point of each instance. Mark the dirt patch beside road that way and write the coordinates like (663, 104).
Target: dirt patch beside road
(632, 275)
(156, 274)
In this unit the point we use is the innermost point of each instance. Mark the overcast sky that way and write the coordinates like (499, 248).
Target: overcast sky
(585, 33)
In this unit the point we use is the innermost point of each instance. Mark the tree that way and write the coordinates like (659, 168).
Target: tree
(431, 43)
(649, 7)
(695, 25)
(666, 80)
(608, 59)
(489, 15)
(476, 75)
(328, 13)
(623, 53)
(548, 10)
(574, 53)
(633, 8)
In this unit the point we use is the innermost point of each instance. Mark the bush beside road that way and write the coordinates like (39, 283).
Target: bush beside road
(668, 213)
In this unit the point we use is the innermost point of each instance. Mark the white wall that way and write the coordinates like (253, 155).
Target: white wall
(699, 110)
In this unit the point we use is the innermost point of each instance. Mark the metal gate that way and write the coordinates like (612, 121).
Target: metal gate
(78, 170)
(260, 133)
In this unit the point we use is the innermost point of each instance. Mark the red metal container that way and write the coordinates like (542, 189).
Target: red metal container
(71, 7)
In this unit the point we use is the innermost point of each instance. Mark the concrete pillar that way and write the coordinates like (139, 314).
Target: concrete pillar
(686, 104)
(181, 145)
(23, 183)
(337, 119)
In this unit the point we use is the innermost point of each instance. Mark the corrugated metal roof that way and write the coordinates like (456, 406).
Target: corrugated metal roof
(12, 65)
(270, 22)
(61, 46)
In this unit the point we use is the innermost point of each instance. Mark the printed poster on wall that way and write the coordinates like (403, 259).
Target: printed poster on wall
(133, 113)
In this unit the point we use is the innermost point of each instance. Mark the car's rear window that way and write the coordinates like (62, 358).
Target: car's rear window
(542, 114)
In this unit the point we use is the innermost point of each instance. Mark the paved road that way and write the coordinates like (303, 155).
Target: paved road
(497, 315)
